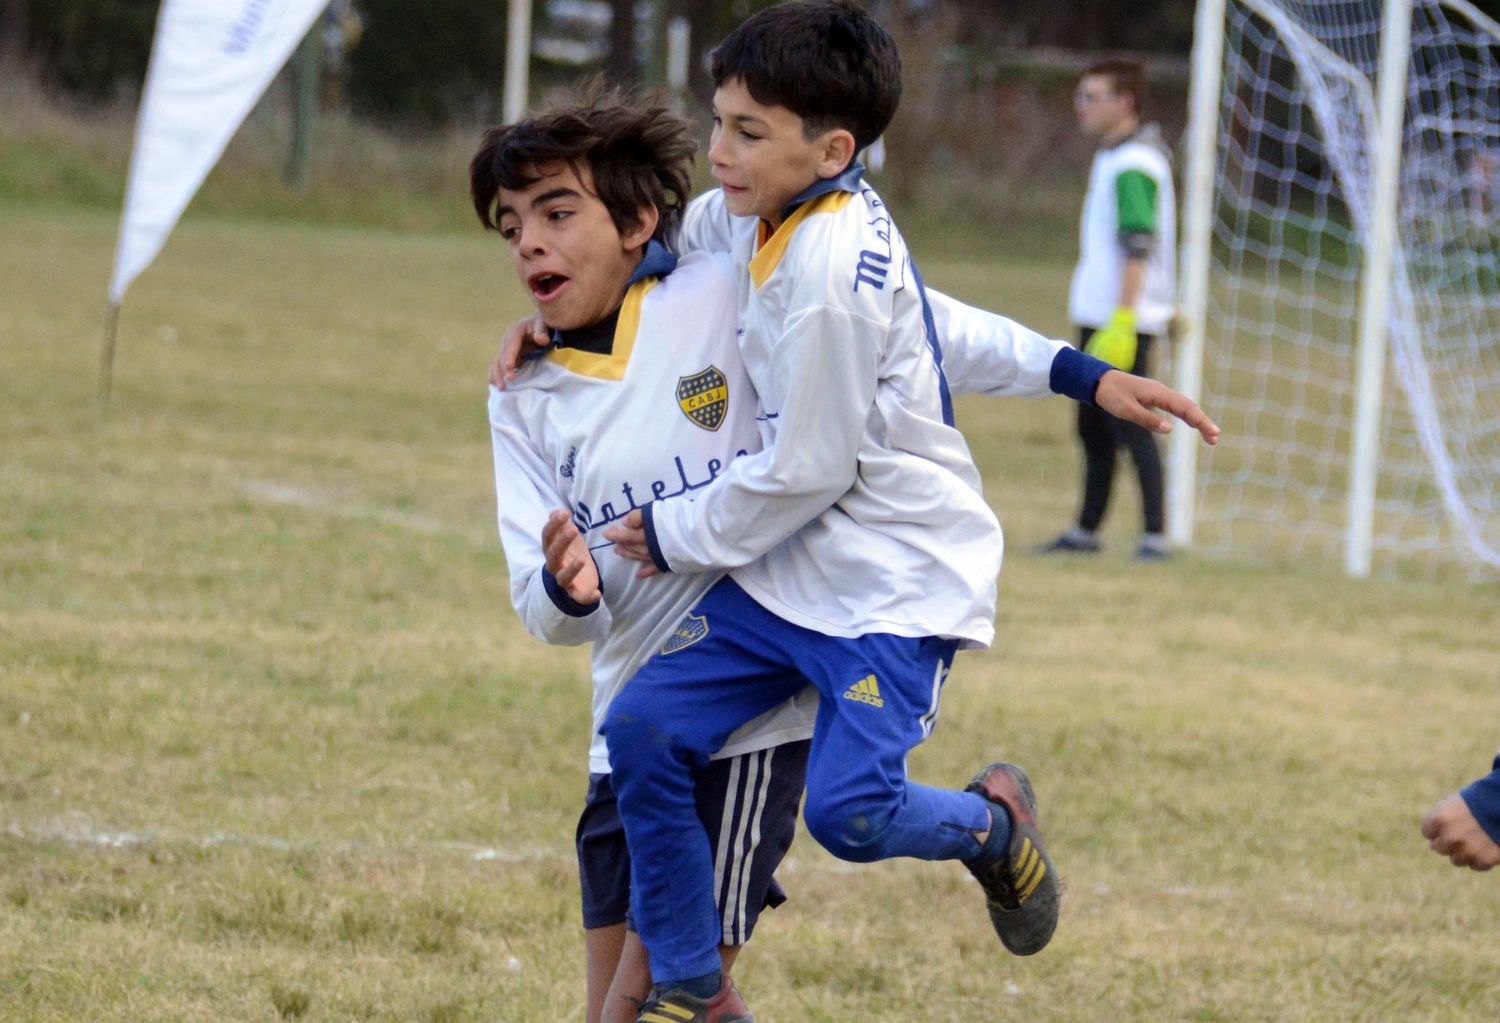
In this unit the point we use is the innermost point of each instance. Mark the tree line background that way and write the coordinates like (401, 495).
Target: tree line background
(985, 128)
(443, 60)
(985, 139)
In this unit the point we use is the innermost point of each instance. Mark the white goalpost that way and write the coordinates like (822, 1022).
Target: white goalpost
(1342, 205)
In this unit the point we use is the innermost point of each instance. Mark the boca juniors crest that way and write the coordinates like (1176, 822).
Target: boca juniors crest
(689, 631)
(704, 397)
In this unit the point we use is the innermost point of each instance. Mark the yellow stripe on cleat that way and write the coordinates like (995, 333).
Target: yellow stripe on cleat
(1027, 875)
(653, 1017)
(1023, 865)
(1041, 873)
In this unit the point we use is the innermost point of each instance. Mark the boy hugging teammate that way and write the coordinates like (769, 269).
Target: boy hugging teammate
(859, 550)
(862, 553)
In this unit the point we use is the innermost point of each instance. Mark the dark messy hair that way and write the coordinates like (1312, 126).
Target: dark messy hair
(827, 61)
(638, 151)
(1126, 78)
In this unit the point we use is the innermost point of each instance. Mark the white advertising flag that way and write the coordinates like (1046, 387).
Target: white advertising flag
(211, 62)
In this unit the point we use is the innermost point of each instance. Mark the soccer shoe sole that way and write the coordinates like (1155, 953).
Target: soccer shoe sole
(1022, 890)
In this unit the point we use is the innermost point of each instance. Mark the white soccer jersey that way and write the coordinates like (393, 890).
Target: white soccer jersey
(1095, 291)
(656, 419)
(864, 512)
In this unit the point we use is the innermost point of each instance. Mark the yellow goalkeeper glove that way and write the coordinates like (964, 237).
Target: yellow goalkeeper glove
(1115, 341)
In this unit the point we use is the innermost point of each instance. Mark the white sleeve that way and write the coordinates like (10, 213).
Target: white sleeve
(705, 225)
(988, 354)
(828, 362)
(524, 495)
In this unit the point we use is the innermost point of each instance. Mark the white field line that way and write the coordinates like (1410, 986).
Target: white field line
(326, 503)
(78, 829)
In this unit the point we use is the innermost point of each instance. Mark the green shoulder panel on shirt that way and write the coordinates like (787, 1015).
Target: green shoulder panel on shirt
(1135, 198)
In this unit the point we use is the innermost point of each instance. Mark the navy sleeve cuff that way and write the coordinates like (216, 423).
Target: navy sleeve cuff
(1483, 798)
(566, 604)
(1077, 375)
(648, 522)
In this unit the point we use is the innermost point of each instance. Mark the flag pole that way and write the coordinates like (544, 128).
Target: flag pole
(107, 352)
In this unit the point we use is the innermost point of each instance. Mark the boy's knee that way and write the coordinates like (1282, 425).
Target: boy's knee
(638, 730)
(629, 727)
(852, 830)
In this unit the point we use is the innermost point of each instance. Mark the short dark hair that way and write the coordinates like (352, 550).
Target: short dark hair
(1126, 78)
(639, 152)
(827, 61)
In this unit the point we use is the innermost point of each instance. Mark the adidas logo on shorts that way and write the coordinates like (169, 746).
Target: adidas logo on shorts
(866, 690)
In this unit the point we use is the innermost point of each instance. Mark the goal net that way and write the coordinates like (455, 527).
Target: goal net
(1292, 211)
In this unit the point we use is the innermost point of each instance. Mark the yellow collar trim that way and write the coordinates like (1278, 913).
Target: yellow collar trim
(613, 365)
(768, 257)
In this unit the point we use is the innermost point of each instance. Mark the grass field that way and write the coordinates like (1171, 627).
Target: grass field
(273, 746)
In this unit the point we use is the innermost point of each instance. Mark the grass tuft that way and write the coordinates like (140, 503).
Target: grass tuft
(290, 1002)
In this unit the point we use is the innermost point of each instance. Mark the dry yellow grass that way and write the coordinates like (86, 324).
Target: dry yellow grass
(272, 745)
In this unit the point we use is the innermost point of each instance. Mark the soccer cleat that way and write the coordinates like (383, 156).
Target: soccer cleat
(1021, 885)
(1153, 548)
(677, 1006)
(1074, 541)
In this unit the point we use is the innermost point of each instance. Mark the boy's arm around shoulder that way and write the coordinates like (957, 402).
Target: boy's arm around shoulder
(525, 496)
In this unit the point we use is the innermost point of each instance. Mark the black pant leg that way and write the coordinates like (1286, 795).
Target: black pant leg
(1144, 450)
(1096, 429)
(1101, 433)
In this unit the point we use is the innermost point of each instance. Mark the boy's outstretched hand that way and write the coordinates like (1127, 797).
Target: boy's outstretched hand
(523, 336)
(568, 558)
(1136, 399)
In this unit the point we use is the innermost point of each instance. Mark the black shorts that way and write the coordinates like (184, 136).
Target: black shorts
(748, 805)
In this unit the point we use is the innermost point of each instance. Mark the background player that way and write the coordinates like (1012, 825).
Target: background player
(1123, 287)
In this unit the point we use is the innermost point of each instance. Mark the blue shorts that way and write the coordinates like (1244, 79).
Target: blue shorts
(748, 806)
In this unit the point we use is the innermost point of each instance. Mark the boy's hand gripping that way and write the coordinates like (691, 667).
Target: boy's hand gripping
(629, 537)
(521, 338)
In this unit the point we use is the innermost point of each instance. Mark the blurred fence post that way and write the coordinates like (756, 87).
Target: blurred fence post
(620, 68)
(13, 30)
(517, 61)
(307, 72)
(656, 57)
(679, 53)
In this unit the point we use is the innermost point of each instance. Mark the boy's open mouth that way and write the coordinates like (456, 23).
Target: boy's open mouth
(545, 286)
